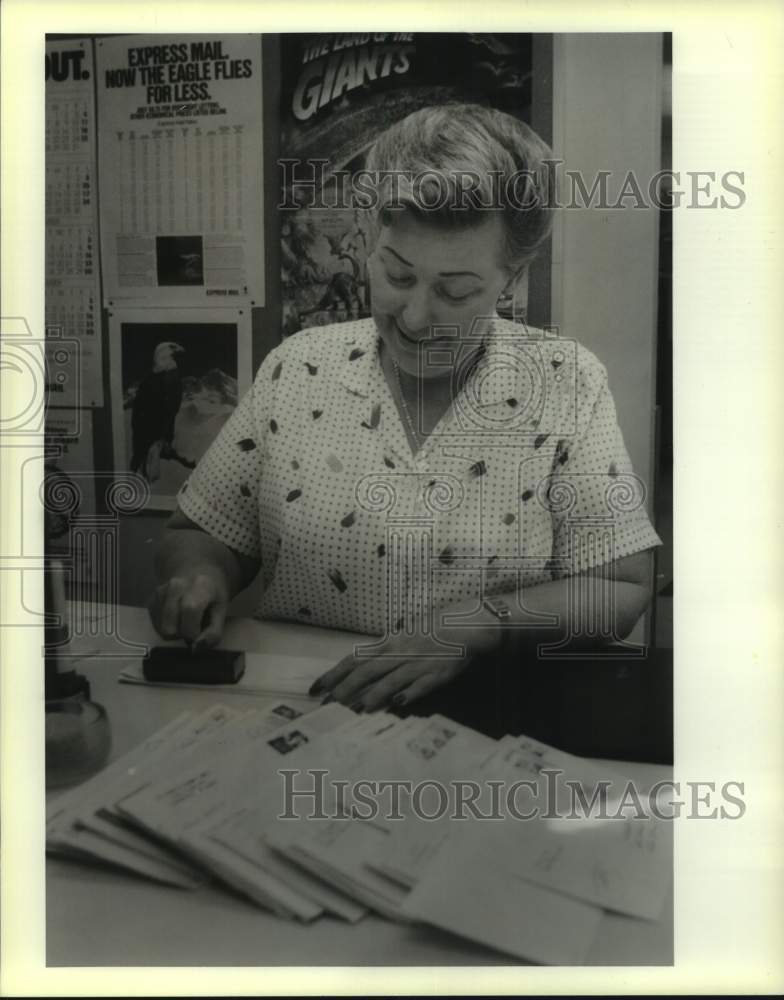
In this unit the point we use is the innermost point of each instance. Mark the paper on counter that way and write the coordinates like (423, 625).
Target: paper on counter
(264, 889)
(190, 795)
(334, 850)
(619, 863)
(481, 901)
(89, 846)
(64, 832)
(247, 830)
(174, 808)
(261, 872)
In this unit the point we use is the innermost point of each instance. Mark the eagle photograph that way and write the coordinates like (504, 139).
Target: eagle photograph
(179, 384)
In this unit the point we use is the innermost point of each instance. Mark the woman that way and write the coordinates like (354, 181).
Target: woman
(432, 475)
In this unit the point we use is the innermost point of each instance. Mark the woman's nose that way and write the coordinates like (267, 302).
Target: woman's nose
(416, 312)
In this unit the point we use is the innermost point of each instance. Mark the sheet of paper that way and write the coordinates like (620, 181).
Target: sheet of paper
(262, 875)
(620, 862)
(70, 815)
(173, 808)
(483, 903)
(335, 854)
(170, 807)
(340, 850)
(246, 829)
(89, 846)
(185, 740)
(264, 889)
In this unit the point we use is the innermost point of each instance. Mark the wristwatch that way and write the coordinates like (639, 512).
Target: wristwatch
(497, 607)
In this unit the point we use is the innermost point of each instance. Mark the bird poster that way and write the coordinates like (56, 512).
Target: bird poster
(181, 152)
(177, 377)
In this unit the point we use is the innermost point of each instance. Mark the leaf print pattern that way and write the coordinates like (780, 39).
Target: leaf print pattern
(273, 492)
(375, 416)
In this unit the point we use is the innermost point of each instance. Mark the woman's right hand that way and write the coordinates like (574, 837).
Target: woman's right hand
(191, 606)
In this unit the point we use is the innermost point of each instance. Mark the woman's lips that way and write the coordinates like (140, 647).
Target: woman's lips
(426, 339)
(409, 339)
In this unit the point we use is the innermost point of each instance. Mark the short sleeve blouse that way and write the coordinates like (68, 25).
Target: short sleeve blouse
(524, 479)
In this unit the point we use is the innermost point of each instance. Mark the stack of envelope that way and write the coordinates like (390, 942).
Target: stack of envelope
(312, 814)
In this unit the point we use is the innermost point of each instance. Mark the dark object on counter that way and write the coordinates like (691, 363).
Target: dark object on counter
(178, 664)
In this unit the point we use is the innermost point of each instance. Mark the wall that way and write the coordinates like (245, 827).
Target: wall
(607, 116)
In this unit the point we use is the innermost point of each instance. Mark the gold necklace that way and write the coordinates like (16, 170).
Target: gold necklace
(406, 412)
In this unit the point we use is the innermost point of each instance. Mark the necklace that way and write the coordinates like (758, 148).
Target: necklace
(406, 412)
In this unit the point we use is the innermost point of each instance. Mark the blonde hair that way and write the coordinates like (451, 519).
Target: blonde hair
(509, 170)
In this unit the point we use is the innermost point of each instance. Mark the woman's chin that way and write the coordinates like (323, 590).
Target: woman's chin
(410, 356)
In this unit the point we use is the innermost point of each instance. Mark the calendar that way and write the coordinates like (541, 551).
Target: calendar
(71, 268)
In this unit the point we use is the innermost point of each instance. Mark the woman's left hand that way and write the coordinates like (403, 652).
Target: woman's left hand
(400, 676)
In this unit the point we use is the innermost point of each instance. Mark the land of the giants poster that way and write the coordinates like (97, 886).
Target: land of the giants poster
(338, 92)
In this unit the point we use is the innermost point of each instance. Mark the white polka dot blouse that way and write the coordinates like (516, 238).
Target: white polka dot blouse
(525, 478)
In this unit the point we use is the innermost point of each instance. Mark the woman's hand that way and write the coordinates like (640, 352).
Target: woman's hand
(192, 607)
(199, 576)
(402, 675)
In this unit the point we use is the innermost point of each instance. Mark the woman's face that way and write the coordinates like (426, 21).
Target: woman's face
(424, 278)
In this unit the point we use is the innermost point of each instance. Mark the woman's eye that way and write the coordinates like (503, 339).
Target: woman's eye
(399, 280)
(450, 297)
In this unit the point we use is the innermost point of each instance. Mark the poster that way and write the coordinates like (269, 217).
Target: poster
(177, 377)
(180, 152)
(72, 284)
(338, 92)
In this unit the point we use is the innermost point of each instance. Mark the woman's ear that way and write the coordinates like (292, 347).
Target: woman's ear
(514, 280)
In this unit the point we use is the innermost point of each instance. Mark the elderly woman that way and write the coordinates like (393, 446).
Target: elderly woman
(433, 476)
